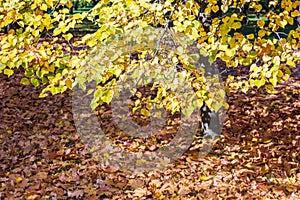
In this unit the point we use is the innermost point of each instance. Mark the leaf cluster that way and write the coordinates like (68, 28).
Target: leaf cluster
(45, 47)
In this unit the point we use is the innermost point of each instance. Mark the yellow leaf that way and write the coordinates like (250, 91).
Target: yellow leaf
(269, 88)
(145, 112)
(282, 23)
(261, 23)
(258, 7)
(56, 31)
(247, 47)
(203, 33)
(21, 23)
(286, 77)
(215, 8)
(295, 13)
(68, 36)
(65, 11)
(42, 95)
(249, 165)
(205, 178)
(232, 42)
(224, 8)
(261, 33)
(291, 189)
(33, 6)
(43, 7)
(230, 52)
(250, 36)
(69, 4)
(174, 60)
(19, 179)
(142, 24)
(259, 83)
(223, 47)
(273, 80)
(267, 141)
(68, 83)
(180, 27)
(207, 10)
(195, 33)
(77, 16)
(266, 58)
(225, 57)
(64, 28)
(104, 35)
(291, 63)
(290, 20)
(236, 25)
(107, 96)
(8, 72)
(35, 32)
(31, 197)
(280, 74)
(91, 43)
(276, 61)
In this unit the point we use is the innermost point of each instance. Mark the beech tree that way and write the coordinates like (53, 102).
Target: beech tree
(216, 26)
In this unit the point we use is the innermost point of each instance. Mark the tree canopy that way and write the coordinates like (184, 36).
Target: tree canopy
(261, 35)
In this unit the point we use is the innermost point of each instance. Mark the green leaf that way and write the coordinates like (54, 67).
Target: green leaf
(259, 83)
(217, 105)
(188, 111)
(136, 108)
(107, 96)
(269, 88)
(98, 94)
(2, 66)
(35, 82)
(94, 104)
(273, 80)
(25, 81)
(8, 72)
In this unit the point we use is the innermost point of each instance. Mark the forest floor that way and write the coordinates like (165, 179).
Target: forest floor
(256, 157)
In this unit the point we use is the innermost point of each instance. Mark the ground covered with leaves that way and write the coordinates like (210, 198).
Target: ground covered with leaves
(256, 157)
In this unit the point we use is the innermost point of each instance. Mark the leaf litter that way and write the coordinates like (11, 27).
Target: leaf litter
(256, 157)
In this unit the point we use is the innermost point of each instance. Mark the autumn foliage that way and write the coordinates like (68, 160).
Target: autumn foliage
(254, 42)
(219, 27)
